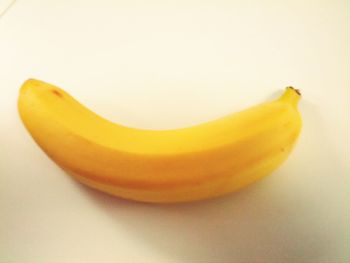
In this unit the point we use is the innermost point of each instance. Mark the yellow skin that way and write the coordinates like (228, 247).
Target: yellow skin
(160, 166)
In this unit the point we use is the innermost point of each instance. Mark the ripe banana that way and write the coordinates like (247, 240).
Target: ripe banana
(160, 166)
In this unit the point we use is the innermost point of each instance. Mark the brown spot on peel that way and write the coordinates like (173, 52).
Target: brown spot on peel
(57, 93)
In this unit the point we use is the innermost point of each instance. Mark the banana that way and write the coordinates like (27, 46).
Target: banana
(160, 166)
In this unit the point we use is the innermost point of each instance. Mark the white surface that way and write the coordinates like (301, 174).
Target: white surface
(168, 64)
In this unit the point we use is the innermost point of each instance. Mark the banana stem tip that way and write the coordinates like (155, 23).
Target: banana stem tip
(297, 91)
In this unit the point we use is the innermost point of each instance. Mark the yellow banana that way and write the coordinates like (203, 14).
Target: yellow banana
(161, 166)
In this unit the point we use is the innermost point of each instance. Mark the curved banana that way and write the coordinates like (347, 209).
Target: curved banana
(162, 166)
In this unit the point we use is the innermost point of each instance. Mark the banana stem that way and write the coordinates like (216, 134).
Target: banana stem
(291, 95)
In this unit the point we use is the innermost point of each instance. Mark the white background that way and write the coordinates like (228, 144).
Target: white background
(167, 64)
